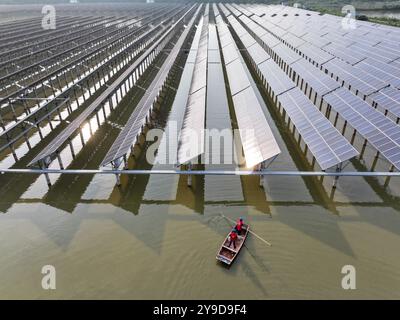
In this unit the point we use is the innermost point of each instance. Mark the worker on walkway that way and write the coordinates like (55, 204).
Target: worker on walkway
(232, 237)
(239, 225)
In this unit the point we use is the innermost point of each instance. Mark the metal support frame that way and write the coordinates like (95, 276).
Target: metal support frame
(209, 172)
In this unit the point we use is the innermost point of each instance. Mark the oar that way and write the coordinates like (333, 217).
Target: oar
(254, 234)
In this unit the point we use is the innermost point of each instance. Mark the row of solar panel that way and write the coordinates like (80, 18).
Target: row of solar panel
(257, 139)
(191, 137)
(379, 130)
(366, 78)
(324, 141)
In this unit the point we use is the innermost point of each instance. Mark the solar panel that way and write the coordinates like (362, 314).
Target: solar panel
(384, 71)
(389, 99)
(316, 40)
(317, 80)
(129, 133)
(285, 54)
(270, 40)
(357, 78)
(396, 64)
(238, 80)
(344, 53)
(247, 40)
(324, 141)
(258, 54)
(275, 77)
(374, 52)
(257, 139)
(315, 54)
(293, 40)
(191, 137)
(380, 131)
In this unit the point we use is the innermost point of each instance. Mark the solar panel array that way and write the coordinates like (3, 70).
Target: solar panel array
(128, 135)
(258, 141)
(356, 78)
(318, 81)
(191, 137)
(276, 79)
(56, 143)
(299, 55)
(325, 142)
(388, 97)
(364, 60)
(379, 130)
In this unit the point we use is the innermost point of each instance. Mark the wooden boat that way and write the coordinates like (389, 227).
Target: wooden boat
(227, 254)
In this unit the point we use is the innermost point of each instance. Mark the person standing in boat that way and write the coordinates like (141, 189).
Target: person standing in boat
(232, 237)
(239, 225)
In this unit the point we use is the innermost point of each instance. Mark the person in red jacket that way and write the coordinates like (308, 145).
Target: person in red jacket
(232, 237)
(239, 225)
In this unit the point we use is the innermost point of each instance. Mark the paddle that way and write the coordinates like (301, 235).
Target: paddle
(254, 234)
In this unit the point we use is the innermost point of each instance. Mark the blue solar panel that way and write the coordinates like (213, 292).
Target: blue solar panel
(380, 131)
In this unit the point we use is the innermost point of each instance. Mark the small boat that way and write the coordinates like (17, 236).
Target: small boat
(227, 254)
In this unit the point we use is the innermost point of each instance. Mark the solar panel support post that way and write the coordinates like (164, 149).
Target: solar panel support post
(38, 129)
(60, 161)
(81, 136)
(42, 166)
(344, 127)
(27, 141)
(374, 163)
(387, 180)
(353, 137)
(189, 177)
(261, 168)
(71, 148)
(115, 166)
(336, 178)
(2, 124)
(363, 148)
(13, 153)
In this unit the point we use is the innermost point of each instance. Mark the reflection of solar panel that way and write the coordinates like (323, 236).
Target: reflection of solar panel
(325, 142)
(379, 130)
